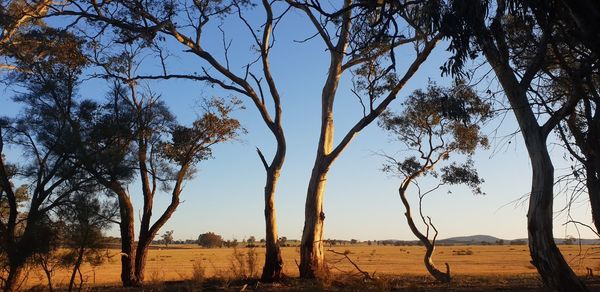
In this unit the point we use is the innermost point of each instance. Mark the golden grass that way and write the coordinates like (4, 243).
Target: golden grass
(177, 263)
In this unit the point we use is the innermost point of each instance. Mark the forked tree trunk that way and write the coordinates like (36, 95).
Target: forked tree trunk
(429, 245)
(312, 262)
(311, 248)
(140, 258)
(443, 277)
(147, 231)
(76, 267)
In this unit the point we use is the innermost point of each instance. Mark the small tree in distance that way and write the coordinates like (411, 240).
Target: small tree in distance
(167, 237)
(210, 240)
(434, 125)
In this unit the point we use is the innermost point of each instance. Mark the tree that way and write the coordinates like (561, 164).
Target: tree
(167, 237)
(435, 125)
(16, 18)
(251, 240)
(85, 219)
(283, 240)
(186, 24)
(48, 64)
(572, 73)
(359, 43)
(134, 136)
(481, 27)
(210, 240)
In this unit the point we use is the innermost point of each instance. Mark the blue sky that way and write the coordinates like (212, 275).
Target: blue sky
(361, 202)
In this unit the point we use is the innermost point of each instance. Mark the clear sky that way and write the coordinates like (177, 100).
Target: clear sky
(226, 195)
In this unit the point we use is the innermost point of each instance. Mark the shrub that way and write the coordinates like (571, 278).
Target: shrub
(210, 239)
(244, 265)
(198, 272)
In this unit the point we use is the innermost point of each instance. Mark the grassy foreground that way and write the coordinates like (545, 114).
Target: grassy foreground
(390, 267)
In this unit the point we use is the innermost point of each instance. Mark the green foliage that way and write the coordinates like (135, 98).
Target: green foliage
(84, 218)
(434, 124)
(45, 50)
(465, 173)
(192, 144)
(48, 63)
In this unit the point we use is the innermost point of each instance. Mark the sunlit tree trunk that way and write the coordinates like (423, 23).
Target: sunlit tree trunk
(272, 270)
(312, 260)
(311, 247)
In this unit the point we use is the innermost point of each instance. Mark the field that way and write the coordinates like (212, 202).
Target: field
(482, 262)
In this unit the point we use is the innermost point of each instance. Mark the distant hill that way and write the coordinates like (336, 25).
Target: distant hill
(471, 239)
(488, 239)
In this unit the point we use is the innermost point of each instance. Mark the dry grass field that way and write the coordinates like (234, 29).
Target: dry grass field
(178, 263)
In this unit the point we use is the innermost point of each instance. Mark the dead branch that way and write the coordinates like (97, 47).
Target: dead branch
(365, 274)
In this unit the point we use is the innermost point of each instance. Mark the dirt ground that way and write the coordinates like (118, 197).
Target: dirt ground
(494, 266)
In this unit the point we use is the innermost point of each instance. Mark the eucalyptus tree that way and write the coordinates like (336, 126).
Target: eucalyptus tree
(186, 22)
(572, 72)
(48, 63)
(435, 125)
(361, 42)
(485, 27)
(134, 137)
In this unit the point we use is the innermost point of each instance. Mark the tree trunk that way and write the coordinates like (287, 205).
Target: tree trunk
(593, 186)
(272, 270)
(14, 272)
(546, 257)
(127, 242)
(140, 257)
(429, 246)
(49, 278)
(432, 269)
(587, 142)
(76, 268)
(312, 262)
